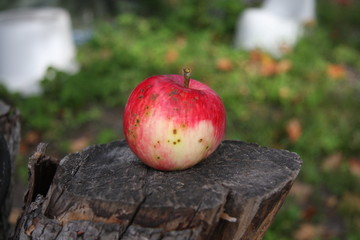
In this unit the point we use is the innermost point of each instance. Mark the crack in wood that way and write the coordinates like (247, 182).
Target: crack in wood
(134, 216)
(82, 162)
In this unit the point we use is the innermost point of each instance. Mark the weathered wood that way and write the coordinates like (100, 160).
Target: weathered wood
(9, 141)
(105, 192)
(42, 169)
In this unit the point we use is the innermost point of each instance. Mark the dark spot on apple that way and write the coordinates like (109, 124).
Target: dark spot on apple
(147, 107)
(178, 140)
(183, 125)
(158, 142)
(175, 99)
(207, 147)
(154, 96)
(142, 90)
(174, 143)
(137, 120)
(154, 146)
(200, 140)
(141, 96)
(168, 141)
(174, 131)
(158, 157)
(196, 98)
(174, 92)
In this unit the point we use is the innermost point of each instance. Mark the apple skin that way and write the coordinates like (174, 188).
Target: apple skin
(172, 127)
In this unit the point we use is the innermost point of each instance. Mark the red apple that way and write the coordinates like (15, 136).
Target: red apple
(172, 122)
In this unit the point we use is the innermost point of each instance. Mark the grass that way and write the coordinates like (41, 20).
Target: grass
(307, 102)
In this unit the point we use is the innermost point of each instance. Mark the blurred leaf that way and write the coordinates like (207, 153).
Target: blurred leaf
(171, 56)
(336, 71)
(32, 137)
(308, 213)
(331, 201)
(283, 66)
(332, 162)
(80, 143)
(265, 65)
(301, 191)
(308, 231)
(293, 129)
(354, 166)
(224, 64)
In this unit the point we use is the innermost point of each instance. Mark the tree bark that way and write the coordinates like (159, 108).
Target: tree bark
(9, 146)
(105, 192)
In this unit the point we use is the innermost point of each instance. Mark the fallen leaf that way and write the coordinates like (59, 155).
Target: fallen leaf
(265, 65)
(283, 66)
(332, 162)
(31, 137)
(171, 55)
(335, 71)
(255, 56)
(308, 213)
(331, 201)
(293, 129)
(354, 166)
(308, 231)
(24, 149)
(79, 144)
(268, 66)
(301, 191)
(224, 64)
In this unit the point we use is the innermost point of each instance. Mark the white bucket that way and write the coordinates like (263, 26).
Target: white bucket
(31, 41)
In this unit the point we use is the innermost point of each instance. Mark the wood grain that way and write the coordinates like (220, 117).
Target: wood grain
(105, 192)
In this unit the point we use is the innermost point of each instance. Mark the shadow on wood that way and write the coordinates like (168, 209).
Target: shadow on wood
(105, 192)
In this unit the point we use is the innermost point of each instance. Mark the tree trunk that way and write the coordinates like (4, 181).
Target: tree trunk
(105, 192)
(9, 146)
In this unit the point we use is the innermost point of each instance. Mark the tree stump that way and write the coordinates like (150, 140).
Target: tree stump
(105, 192)
(9, 146)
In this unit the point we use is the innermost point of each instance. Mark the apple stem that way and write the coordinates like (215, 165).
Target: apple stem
(187, 72)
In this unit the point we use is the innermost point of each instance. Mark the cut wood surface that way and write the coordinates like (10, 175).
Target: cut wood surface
(105, 192)
(9, 146)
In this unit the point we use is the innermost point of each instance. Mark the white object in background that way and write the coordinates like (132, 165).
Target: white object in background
(31, 40)
(302, 11)
(275, 27)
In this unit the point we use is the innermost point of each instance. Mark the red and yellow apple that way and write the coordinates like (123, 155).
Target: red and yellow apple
(172, 122)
